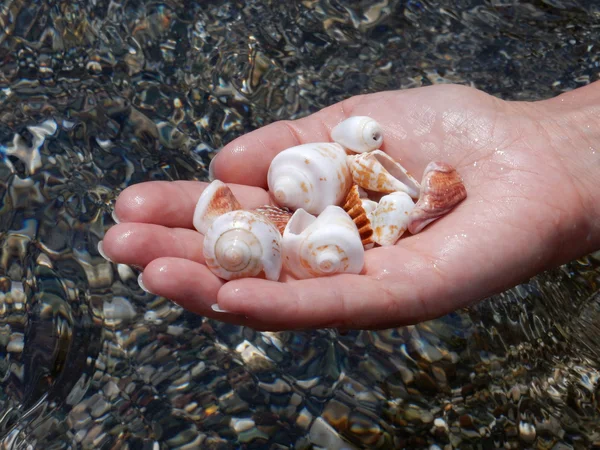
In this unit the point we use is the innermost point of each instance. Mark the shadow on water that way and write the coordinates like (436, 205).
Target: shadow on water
(97, 96)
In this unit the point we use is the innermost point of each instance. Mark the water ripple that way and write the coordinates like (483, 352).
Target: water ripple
(97, 96)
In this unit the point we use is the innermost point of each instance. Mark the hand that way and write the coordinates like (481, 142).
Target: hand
(525, 211)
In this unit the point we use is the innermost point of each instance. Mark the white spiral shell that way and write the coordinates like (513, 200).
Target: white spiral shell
(322, 246)
(358, 134)
(391, 218)
(310, 176)
(242, 244)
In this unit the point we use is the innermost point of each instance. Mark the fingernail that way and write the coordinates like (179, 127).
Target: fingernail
(141, 283)
(114, 217)
(216, 308)
(211, 169)
(101, 251)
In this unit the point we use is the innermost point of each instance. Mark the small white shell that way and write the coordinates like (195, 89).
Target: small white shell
(376, 171)
(358, 134)
(310, 176)
(391, 217)
(322, 246)
(216, 200)
(242, 244)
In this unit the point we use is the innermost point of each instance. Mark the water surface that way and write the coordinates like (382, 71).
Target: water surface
(99, 95)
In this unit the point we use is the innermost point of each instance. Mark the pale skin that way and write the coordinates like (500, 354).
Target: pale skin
(531, 171)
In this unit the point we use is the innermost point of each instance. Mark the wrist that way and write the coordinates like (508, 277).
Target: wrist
(572, 123)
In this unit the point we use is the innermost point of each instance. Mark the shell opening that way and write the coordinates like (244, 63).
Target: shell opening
(299, 222)
(234, 249)
(392, 167)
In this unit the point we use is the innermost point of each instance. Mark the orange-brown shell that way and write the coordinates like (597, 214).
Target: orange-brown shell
(354, 207)
(216, 200)
(223, 201)
(278, 216)
(442, 189)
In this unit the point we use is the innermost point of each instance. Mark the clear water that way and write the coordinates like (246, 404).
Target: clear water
(98, 95)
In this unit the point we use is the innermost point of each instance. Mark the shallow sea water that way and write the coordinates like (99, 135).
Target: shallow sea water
(98, 95)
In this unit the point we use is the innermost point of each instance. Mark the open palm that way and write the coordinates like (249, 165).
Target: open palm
(509, 227)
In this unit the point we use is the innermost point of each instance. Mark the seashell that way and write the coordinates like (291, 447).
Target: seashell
(310, 176)
(368, 205)
(361, 192)
(376, 171)
(442, 189)
(358, 134)
(321, 246)
(242, 244)
(278, 216)
(390, 218)
(216, 200)
(355, 209)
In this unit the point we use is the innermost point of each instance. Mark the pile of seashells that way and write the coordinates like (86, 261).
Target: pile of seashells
(335, 200)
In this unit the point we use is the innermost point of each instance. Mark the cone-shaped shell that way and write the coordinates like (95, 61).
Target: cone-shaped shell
(442, 189)
(378, 172)
(327, 245)
(356, 210)
(278, 216)
(358, 134)
(310, 176)
(390, 218)
(243, 244)
(216, 200)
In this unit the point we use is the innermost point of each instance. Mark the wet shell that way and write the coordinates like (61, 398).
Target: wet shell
(216, 200)
(442, 189)
(310, 176)
(322, 246)
(376, 171)
(358, 134)
(243, 244)
(278, 216)
(356, 210)
(390, 218)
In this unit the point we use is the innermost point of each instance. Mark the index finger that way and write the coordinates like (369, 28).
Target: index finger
(258, 148)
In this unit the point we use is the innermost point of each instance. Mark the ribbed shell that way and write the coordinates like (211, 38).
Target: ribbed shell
(355, 209)
(441, 190)
(278, 216)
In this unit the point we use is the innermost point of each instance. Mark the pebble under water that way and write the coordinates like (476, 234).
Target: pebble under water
(98, 95)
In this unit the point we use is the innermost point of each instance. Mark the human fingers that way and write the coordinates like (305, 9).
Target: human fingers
(342, 301)
(452, 122)
(260, 146)
(191, 285)
(172, 203)
(421, 277)
(140, 243)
